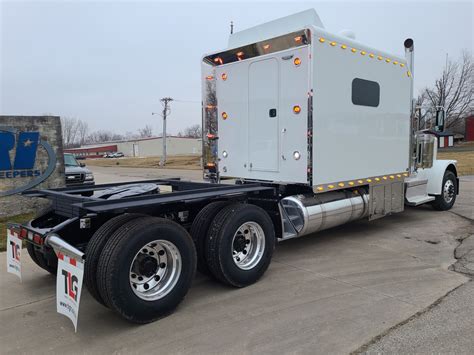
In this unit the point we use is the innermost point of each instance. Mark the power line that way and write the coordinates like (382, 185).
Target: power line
(187, 101)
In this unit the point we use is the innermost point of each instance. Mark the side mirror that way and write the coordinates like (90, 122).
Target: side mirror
(439, 126)
(82, 165)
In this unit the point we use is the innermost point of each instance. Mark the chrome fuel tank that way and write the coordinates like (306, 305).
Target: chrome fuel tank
(306, 214)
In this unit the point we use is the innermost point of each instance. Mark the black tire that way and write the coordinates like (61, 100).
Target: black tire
(47, 262)
(113, 271)
(219, 250)
(94, 249)
(200, 229)
(443, 202)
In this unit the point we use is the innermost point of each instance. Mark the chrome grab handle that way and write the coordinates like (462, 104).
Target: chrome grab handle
(283, 131)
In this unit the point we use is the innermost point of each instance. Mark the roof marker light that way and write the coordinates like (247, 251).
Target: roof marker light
(360, 181)
(209, 77)
(218, 60)
(224, 76)
(369, 180)
(240, 55)
(266, 46)
(387, 60)
(379, 57)
(224, 115)
(322, 40)
(297, 61)
(385, 178)
(392, 177)
(399, 175)
(371, 55)
(408, 74)
(362, 52)
(331, 186)
(343, 46)
(333, 43)
(405, 174)
(351, 183)
(296, 109)
(320, 188)
(377, 179)
(402, 65)
(353, 50)
(298, 38)
(341, 184)
(395, 63)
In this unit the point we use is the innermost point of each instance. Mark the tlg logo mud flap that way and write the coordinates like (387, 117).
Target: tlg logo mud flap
(13, 253)
(68, 287)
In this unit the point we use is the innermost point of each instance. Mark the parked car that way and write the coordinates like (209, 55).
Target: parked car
(118, 155)
(77, 174)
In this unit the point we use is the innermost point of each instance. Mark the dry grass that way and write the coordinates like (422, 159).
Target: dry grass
(189, 162)
(465, 160)
(21, 218)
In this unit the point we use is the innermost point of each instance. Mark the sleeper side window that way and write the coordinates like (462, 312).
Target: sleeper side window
(365, 92)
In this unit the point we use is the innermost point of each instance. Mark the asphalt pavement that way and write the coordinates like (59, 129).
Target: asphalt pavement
(342, 290)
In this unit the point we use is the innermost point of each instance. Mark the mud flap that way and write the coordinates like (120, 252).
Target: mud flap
(69, 286)
(13, 253)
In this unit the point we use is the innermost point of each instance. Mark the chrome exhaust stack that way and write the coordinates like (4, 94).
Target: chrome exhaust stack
(306, 214)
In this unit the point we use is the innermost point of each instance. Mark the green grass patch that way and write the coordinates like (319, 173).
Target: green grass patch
(21, 218)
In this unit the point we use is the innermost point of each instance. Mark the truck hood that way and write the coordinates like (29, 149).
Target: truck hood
(76, 170)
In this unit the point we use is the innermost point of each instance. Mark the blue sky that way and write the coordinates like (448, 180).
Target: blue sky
(108, 62)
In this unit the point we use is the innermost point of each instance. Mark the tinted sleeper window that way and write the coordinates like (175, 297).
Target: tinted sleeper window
(365, 92)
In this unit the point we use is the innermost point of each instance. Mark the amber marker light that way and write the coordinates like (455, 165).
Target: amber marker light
(360, 181)
(224, 115)
(343, 46)
(387, 60)
(369, 180)
(218, 60)
(362, 52)
(296, 109)
(353, 50)
(297, 61)
(379, 58)
(371, 55)
(331, 186)
(320, 188)
(298, 38)
(209, 77)
(224, 76)
(333, 43)
(322, 40)
(351, 183)
(392, 177)
(266, 46)
(341, 184)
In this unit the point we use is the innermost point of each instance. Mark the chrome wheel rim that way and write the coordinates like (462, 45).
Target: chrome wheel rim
(248, 245)
(448, 191)
(155, 270)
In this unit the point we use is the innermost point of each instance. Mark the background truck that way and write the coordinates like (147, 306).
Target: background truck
(309, 129)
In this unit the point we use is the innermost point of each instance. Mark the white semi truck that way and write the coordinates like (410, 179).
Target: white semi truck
(311, 129)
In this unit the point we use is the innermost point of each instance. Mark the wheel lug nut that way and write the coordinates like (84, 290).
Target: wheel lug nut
(245, 252)
(162, 265)
(247, 241)
(134, 285)
(238, 259)
(146, 287)
(140, 278)
(161, 252)
(133, 276)
(157, 278)
(151, 253)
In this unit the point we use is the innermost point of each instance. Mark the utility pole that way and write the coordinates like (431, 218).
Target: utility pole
(231, 27)
(165, 113)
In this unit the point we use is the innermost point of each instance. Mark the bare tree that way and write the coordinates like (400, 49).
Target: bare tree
(453, 91)
(69, 127)
(193, 131)
(145, 132)
(82, 131)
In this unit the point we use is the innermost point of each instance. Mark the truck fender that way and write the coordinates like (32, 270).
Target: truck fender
(435, 175)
